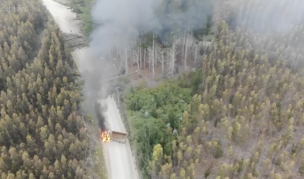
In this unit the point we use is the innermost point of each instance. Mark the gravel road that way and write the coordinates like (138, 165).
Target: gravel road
(119, 160)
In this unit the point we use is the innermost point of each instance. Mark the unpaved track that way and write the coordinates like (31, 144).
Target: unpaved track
(119, 160)
(81, 56)
(63, 16)
(117, 152)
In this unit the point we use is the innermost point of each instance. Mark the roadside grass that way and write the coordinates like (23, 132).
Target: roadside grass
(97, 169)
(83, 11)
(99, 165)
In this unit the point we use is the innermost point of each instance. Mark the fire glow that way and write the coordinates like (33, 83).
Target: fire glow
(105, 136)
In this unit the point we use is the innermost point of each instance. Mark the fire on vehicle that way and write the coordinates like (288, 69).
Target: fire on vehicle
(109, 135)
(105, 136)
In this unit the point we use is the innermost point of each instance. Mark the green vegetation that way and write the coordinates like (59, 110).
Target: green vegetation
(42, 129)
(83, 10)
(149, 110)
(98, 169)
(242, 111)
(240, 115)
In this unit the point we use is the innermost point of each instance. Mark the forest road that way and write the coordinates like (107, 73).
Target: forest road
(120, 163)
(64, 17)
(119, 156)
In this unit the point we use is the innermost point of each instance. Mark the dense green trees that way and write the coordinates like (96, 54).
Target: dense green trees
(18, 34)
(42, 130)
(149, 111)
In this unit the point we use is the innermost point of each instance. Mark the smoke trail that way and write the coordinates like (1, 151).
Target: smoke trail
(93, 92)
(99, 116)
(119, 24)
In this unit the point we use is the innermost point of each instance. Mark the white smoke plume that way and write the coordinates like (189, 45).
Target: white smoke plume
(120, 23)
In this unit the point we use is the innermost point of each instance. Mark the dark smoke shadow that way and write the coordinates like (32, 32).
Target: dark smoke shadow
(93, 93)
(98, 109)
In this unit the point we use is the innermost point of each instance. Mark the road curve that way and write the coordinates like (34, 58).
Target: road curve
(118, 157)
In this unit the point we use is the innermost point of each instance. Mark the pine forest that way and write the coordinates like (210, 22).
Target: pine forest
(220, 93)
(42, 128)
(239, 115)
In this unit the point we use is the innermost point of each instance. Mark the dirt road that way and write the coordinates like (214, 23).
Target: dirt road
(63, 16)
(119, 160)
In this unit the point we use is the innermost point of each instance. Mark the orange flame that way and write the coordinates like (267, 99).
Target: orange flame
(105, 137)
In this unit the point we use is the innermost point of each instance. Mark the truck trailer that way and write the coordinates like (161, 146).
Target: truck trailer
(109, 135)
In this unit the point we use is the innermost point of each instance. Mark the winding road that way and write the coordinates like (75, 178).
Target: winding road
(119, 161)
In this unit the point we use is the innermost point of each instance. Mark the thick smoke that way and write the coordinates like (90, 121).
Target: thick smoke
(120, 23)
(100, 116)
(94, 91)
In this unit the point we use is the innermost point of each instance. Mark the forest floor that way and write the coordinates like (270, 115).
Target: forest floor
(147, 75)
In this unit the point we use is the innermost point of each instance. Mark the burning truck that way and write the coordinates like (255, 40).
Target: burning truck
(108, 136)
